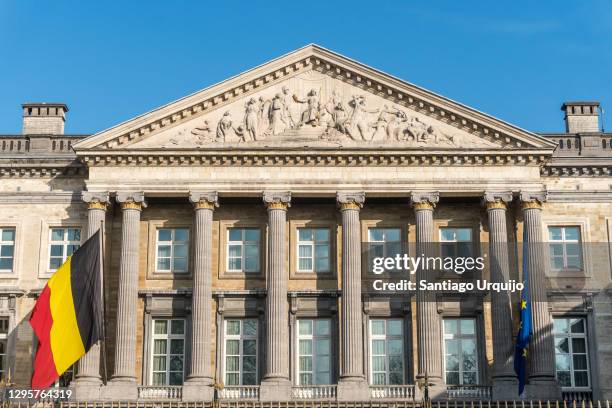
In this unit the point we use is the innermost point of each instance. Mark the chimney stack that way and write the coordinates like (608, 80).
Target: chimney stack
(42, 118)
(581, 117)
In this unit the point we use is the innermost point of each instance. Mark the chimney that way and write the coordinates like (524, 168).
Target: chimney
(42, 118)
(581, 117)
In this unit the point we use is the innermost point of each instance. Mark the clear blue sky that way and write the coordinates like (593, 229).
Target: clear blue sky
(110, 61)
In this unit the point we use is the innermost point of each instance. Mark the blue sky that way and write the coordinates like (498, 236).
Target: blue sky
(110, 61)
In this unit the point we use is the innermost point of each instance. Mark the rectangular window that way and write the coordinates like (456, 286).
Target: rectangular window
(313, 250)
(172, 250)
(4, 329)
(384, 242)
(62, 244)
(243, 246)
(7, 249)
(168, 352)
(240, 352)
(565, 248)
(461, 357)
(456, 242)
(314, 347)
(571, 352)
(387, 351)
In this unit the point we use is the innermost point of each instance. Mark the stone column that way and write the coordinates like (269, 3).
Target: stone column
(199, 384)
(352, 384)
(88, 380)
(542, 382)
(276, 385)
(429, 330)
(123, 382)
(504, 378)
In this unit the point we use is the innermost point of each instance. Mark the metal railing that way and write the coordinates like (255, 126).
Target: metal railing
(162, 392)
(239, 392)
(392, 391)
(468, 391)
(314, 392)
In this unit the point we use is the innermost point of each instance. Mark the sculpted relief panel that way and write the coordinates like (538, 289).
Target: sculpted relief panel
(313, 109)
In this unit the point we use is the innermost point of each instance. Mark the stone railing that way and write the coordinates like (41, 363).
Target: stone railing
(468, 391)
(162, 392)
(577, 395)
(45, 144)
(242, 392)
(314, 392)
(392, 391)
(14, 145)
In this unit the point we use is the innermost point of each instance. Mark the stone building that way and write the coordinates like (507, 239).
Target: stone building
(235, 220)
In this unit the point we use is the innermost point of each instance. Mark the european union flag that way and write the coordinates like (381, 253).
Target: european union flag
(525, 327)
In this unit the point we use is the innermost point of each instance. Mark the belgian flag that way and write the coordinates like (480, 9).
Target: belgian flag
(67, 317)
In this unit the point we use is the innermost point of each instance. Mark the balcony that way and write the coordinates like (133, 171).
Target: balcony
(239, 392)
(314, 392)
(577, 394)
(392, 392)
(481, 392)
(160, 393)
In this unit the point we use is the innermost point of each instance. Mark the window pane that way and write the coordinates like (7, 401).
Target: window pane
(56, 250)
(447, 234)
(181, 234)
(564, 378)
(322, 346)
(394, 347)
(177, 327)
(396, 363)
(305, 326)
(54, 263)
(323, 363)
(305, 347)
(159, 346)
(305, 251)
(159, 378)
(305, 363)
(164, 235)
(322, 250)
(556, 249)
(322, 235)
(235, 264)
(396, 378)
(232, 379)
(452, 363)
(378, 347)
(57, 234)
(176, 378)
(232, 327)
(554, 233)
(176, 363)
(469, 378)
(249, 379)
(394, 327)
(305, 379)
(249, 347)
(160, 327)
(159, 363)
(249, 363)
(467, 326)
(574, 262)
(232, 363)
(8, 234)
(581, 379)
(177, 346)
(560, 325)
(252, 264)
(250, 327)
(322, 264)
(450, 326)
(378, 327)
(6, 250)
(71, 249)
(232, 347)
(378, 363)
(392, 234)
(180, 265)
(580, 362)
(305, 234)
(305, 264)
(252, 235)
(163, 251)
(235, 234)
(163, 264)
(577, 325)
(322, 377)
(180, 251)
(563, 362)
(74, 234)
(452, 347)
(376, 234)
(578, 345)
(562, 345)
(452, 378)
(572, 233)
(379, 379)
(322, 327)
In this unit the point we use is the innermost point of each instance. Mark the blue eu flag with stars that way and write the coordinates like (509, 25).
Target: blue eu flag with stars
(525, 327)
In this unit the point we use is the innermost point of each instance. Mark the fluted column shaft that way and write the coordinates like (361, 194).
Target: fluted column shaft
(89, 364)
(429, 332)
(501, 306)
(125, 343)
(352, 317)
(277, 347)
(204, 205)
(541, 348)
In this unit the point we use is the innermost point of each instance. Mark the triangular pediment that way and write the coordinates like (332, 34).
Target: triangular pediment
(313, 98)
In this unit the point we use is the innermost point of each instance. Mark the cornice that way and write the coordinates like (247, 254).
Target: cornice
(27, 170)
(326, 62)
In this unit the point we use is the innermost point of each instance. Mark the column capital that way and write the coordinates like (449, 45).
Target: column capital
(532, 199)
(208, 200)
(497, 199)
(95, 200)
(277, 200)
(424, 200)
(131, 200)
(350, 200)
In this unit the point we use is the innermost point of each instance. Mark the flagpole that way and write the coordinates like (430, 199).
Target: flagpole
(103, 299)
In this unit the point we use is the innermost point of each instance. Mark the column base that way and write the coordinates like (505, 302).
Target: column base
(86, 389)
(543, 388)
(275, 389)
(504, 389)
(353, 389)
(199, 389)
(120, 390)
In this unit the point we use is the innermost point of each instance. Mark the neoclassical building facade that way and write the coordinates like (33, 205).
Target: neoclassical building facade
(236, 220)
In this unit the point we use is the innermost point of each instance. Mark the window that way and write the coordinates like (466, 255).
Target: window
(314, 346)
(168, 352)
(571, 352)
(565, 248)
(240, 352)
(243, 249)
(456, 242)
(387, 351)
(172, 250)
(313, 250)
(461, 358)
(384, 242)
(62, 244)
(7, 249)
(4, 329)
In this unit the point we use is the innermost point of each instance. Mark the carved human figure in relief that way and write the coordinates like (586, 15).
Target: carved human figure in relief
(251, 120)
(203, 133)
(358, 125)
(336, 112)
(264, 114)
(310, 116)
(226, 130)
(287, 115)
(277, 115)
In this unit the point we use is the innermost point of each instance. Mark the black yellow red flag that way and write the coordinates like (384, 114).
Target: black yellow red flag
(67, 317)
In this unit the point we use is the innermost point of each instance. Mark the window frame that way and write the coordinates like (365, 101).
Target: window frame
(4, 338)
(313, 337)
(564, 242)
(168, 336)
(313, 244)
(241, 338)
(242, 243)
(65, 242)
(587, 354)
(172, 243)
(385, 244)
(455, 241)
(386, 337)
(12, 243)
(460, 336)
